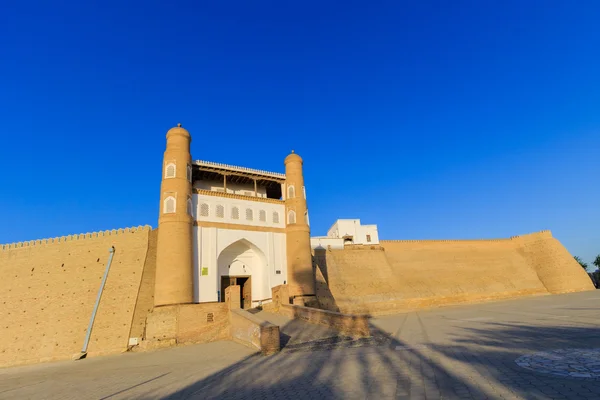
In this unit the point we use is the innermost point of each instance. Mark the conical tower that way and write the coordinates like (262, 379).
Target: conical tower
(299, 257)
(174, 269)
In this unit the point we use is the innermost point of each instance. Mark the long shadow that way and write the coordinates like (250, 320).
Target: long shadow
(134, 386)
(502, 343)
(324, 367)
(474, 363)
(324, 296)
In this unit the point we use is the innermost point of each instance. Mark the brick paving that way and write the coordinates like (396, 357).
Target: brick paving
(574, 363)
(463, 352)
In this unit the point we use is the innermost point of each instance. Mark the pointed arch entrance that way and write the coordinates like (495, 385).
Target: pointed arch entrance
(242, 263)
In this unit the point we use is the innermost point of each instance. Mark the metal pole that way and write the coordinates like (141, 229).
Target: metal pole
(91, 324)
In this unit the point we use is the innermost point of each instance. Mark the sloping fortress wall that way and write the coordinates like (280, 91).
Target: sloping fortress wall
(49, 287)
(554, 265)
(411, 274)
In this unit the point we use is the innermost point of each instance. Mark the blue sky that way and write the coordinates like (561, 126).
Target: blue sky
(467, 119)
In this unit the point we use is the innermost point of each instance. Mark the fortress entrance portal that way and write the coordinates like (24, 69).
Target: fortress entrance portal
(245, 289)
(243, 264)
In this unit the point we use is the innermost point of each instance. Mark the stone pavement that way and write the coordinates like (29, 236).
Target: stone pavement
(462, 352)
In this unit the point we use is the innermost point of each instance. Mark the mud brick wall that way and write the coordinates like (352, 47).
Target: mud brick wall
(411, 274)
(49, 288)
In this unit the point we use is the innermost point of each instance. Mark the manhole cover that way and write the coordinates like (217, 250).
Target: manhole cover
(573, 363)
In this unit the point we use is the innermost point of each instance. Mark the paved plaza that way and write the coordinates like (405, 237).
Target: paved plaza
(534, 348)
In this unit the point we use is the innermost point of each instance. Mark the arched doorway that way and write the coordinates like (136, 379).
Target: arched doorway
(242, 263)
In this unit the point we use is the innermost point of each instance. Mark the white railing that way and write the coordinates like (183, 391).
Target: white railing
(239, 169)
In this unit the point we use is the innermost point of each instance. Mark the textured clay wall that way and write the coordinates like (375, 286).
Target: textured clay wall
(347, 324)
(186, 323)
(449, 272)
(415, 274)
(145, 298)
(49, 288)
(555, 266)
(254, 332)
(347, 279)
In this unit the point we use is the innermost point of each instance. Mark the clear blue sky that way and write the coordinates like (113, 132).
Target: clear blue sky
(466, 119)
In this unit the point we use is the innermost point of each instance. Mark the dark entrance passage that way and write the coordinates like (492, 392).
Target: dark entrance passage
(245, 289)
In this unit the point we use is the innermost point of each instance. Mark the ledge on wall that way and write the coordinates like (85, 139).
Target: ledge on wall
(80, 236)
(356, 326)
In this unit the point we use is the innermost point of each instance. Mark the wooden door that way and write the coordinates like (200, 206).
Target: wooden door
(224, 285)
(247, 293)
(226, 281)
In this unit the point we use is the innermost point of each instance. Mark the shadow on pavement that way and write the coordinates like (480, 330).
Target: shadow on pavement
(478, 363)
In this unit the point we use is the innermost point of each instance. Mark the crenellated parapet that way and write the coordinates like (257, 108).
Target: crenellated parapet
(444, 240)
(544, 234)
(68, 238)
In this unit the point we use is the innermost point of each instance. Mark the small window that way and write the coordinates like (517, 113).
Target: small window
(170, 170)
(190, 207)
(275, 217)
(204, 210)
(169, 205)
(368, 238)
(220, 211)
(291, 192)
(189, 173)
(235, 213)
(249, 214)
(304, 191)
(262, 216)
(306, 217)
(291, 217)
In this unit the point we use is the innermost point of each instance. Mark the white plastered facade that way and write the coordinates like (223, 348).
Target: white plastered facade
(238, 252)
(347, 231)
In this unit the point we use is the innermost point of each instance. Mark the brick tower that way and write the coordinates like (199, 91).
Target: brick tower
(174, 270)
(299, 257)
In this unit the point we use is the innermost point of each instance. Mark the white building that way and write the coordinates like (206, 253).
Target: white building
(346, 232)
(239, 231)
